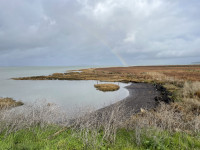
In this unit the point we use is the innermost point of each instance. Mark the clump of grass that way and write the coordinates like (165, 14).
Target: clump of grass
(106, 87)
(191, 89)
(197, 93)
(176, 117)
(9, 102)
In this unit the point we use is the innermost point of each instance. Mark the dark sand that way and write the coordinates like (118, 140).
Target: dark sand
(141, 95)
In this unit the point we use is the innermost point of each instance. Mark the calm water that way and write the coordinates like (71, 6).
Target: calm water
(67, 94)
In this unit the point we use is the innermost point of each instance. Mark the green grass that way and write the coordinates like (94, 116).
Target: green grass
(40, 138)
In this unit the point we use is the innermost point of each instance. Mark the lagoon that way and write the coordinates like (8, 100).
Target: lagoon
(66, 94)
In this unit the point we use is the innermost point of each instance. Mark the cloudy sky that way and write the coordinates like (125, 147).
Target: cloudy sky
(99, 32)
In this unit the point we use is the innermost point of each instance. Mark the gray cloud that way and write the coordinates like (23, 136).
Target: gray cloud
(106, 32)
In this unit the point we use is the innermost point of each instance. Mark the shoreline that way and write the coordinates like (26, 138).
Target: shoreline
(143, 92)
(142, 97)
(147, 74)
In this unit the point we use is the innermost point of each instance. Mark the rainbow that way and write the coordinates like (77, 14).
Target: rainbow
(99, 38)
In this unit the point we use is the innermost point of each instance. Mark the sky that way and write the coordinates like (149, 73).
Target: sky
(99, 32)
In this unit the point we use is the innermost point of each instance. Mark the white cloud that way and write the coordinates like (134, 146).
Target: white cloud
(132, 29)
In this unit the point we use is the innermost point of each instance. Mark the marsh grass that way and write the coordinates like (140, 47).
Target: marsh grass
(9, 102)
(197, 93)
(168, 117)
(191, 90)
(106, 87)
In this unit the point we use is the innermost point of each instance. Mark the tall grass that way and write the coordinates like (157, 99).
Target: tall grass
(31, 115)
(45, 126)
(191, 90)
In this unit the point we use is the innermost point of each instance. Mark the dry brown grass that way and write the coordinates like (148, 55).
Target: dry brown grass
(191, 89)
(57, 74)
(182, 116)
(86, 125)
(106, 87)
(34, 114)
(180, 72)
(129, 74)
(8, 103)
(197, 93)
(173, 117)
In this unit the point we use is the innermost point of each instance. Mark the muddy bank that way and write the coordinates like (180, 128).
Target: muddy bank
(141, 95)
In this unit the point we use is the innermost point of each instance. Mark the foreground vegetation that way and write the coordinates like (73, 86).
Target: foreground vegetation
(43, 126)
(40, 138)
(106, 87)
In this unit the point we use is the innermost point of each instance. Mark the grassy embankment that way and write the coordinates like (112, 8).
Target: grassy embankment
(173, 126)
